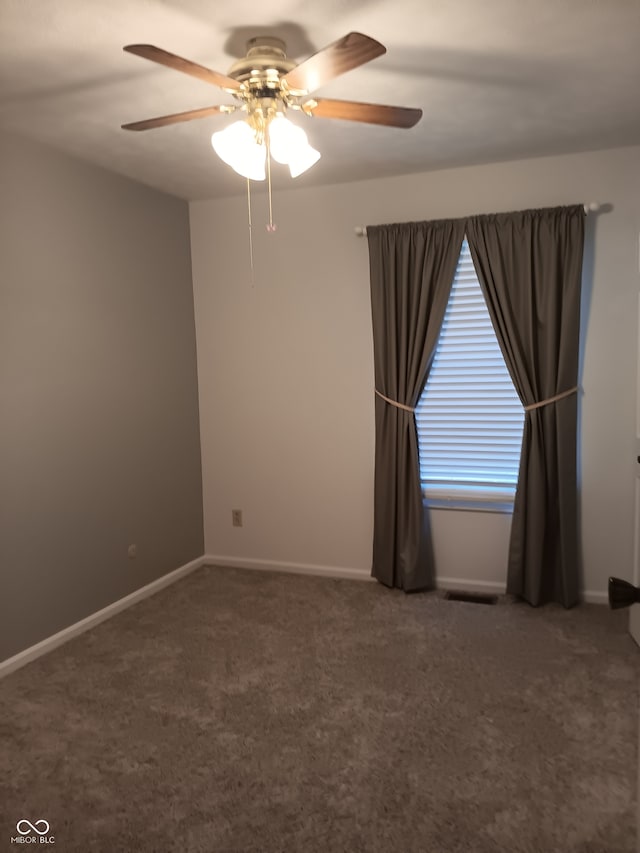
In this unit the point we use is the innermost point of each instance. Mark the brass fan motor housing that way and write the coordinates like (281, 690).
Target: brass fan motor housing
(265, 63)
(260, 73)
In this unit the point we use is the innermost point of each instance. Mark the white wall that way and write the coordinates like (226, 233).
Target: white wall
(286, 370)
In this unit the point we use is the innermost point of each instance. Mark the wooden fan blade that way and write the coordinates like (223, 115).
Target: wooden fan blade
(368, 113)
(348, 52)
(175, 118)
(156, 54)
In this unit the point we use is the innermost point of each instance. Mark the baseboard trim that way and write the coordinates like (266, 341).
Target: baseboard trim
(456, 584)
(444, 583)
(55, 640)
(290, 568)
(591, 597)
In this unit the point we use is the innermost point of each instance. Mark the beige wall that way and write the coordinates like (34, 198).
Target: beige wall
(99, 436)
(286, 372)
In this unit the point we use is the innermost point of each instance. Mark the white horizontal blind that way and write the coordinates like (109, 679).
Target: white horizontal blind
(469, 417)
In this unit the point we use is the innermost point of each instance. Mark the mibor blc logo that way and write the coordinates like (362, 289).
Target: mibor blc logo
(33, 833)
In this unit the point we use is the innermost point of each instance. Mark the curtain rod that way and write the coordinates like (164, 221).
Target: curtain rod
(589, 207)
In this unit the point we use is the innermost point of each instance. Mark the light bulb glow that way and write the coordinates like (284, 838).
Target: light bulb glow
(236, 145)
(285, 139)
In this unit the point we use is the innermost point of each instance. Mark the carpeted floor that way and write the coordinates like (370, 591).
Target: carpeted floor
(243, 711)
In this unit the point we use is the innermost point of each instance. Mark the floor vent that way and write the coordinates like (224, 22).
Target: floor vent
(472, 597)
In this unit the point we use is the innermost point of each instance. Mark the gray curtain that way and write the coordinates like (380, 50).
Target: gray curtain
(412, 267)
(529, 265)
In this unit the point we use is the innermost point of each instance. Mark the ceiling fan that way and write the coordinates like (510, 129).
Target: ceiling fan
(266, 84)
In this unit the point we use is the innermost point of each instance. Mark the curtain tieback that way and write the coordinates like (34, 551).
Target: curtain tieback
(551, 399)
(395, 403)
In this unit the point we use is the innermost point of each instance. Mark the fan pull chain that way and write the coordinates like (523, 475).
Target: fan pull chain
(250, 231)
(270, 227)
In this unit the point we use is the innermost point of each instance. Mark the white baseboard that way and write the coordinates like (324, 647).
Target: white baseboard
(50, 643)
(591, 597)
(454, 584)
(291, 568)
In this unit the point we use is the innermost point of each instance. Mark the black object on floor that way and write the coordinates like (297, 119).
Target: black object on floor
(622, 593)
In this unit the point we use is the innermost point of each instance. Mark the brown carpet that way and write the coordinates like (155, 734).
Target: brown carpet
(245, 711)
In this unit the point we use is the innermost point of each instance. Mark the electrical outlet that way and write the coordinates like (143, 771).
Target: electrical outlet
(236, 517)
(132, 551)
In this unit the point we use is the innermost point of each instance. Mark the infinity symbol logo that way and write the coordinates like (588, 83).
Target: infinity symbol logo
(32, 827)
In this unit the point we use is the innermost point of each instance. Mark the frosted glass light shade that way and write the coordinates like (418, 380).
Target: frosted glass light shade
(303, 160)
(285, 139)
(237, 146)
(289, 145)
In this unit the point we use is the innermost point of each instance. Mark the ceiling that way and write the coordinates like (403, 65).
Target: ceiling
(496, 79)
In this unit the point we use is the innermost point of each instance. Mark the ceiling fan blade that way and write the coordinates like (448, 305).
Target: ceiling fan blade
(348, 52)
(357, 111)
(175, 118)
(156, 54)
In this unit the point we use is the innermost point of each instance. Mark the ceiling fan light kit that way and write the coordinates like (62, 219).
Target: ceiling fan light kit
(245, 145)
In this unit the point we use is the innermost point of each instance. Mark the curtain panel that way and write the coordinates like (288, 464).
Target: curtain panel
(412, 267)
(529, 265)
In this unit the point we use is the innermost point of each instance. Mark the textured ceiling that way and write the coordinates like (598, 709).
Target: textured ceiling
(496, 79)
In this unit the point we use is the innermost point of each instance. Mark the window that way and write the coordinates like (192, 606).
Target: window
(469, 416)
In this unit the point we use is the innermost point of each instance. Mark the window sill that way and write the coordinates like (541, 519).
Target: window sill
(483, 500)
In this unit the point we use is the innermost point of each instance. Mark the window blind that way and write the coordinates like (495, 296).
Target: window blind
(469, 417)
